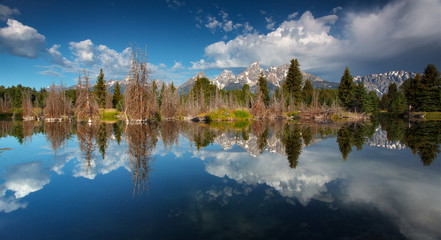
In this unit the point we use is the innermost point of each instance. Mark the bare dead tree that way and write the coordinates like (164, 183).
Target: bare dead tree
(28, 112)
(56, 107)
(139, 100)
(170, 104)
(86, 105)
(258, 109)
(5, 104)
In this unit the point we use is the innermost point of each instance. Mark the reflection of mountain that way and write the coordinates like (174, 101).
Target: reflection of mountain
(380, 140)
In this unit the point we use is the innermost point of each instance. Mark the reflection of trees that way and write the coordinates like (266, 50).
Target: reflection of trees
(292, 140)
(57, 133)
(104, 133)
(141, 139)
(6, 128)
(169, 133)
(424, 138)
(260, 129)
(354, 134)
(395, 128)
(203, 136)
(117, 131)
(86, 134)
(28, 130)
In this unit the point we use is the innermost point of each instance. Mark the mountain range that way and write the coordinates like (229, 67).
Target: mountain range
(379, 83)
(275, 76)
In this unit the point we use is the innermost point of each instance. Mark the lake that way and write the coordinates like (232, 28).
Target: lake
(184, 180)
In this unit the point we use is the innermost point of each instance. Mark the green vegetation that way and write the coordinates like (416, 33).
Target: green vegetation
(345, 89)
(229, 115)
(109, 114)
(433, 116)
(292, 86)
(100, 90)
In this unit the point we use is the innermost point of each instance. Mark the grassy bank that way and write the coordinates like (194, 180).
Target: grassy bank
(109, 114)
(229, 115)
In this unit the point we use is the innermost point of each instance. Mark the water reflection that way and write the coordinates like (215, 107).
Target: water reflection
(141, 139)
(296, 167)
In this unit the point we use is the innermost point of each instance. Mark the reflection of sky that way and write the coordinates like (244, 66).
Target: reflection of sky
(395, 182)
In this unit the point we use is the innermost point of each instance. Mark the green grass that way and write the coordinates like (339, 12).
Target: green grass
(109, 115)
(223, 125)
(433, 116)
(225, 115)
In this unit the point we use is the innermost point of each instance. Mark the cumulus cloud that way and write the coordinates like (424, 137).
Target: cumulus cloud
(84, 51)
(7, 12)
(306, 37)
(370, 42)
(21, 40)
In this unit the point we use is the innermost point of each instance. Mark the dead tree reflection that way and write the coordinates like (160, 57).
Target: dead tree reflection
(86, 134)
(141, 139)
(169, 133)
(57, 133)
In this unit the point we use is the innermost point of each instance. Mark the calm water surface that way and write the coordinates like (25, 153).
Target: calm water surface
(179, 180)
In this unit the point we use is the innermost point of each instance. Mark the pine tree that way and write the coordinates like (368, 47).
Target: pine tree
(430, 96)
(263, 86)
(307, 92)
(161, 95)
(100, 90)
(117, 96)
(294, 81)
(359, 98)
(345, 88)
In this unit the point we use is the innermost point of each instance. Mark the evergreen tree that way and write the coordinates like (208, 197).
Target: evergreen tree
(117, 96)
(410, 88)
(294, 81)
(345, 88)
(430, 96)
(398, 103)
(373, 102)
(307, 92)
(359, 98)
(263, 87)
(100, 90)
(161, 95)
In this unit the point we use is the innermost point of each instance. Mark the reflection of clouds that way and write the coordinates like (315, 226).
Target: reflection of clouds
(303, 183)
(409, 196)
(9, 204)
(26, 178)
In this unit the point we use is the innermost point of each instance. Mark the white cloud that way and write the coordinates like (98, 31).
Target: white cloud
(7, 12)
(21, 40)
(51, 73)
(84, 51)
(306, 37)
(212, 23)
(177, 66)
(270, 23)
(56, 56)
(293, 15)
(371, 42)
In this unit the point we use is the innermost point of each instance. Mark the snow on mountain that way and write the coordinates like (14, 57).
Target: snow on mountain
(224, 78)
(380, 82)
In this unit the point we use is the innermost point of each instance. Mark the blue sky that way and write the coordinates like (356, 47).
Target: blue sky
(48, 41)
